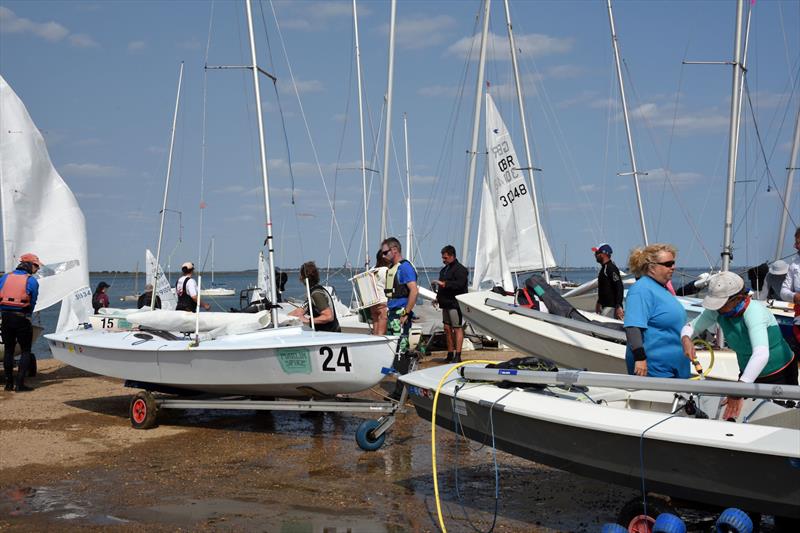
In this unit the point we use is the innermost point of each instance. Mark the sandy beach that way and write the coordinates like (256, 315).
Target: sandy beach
(70, 459)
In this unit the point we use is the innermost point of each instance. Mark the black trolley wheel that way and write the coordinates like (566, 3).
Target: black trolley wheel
(143, 411)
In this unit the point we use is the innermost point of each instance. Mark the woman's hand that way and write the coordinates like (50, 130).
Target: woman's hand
(688, 348)
(733, 407)
(640, 368)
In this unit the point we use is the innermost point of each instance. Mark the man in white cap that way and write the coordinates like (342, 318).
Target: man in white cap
(186, 289)
(790, 290)
(750, 330)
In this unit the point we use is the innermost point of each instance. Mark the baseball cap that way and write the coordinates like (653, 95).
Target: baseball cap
(103, 285)
(603, 248)
(30, 258)
(148, 287)
(778, 268)
(188, 264)
(720, 288)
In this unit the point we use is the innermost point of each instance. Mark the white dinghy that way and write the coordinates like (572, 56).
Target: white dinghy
(661, 434)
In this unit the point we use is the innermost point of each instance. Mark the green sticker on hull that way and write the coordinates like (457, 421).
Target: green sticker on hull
(294, 360)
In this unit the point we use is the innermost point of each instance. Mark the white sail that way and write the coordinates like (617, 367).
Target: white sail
(168, 298)
(40, 214)
(513, 202)
(263, 274)
(491, 267)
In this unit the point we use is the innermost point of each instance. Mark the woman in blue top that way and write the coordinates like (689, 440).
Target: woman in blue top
(654, 317)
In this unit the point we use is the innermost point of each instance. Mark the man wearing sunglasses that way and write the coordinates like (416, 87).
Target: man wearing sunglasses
(610, 291)
(401, 290)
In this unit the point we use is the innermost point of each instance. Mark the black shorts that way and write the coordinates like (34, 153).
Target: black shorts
(452, 318)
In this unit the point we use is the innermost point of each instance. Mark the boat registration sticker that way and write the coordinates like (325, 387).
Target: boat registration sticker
(295, 360)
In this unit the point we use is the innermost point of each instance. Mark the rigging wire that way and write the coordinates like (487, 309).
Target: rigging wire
(307, 127)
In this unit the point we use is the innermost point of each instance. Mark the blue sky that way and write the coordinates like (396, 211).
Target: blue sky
(99, 79)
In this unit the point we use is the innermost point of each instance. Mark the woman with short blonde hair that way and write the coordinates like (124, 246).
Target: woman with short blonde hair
(653, 316)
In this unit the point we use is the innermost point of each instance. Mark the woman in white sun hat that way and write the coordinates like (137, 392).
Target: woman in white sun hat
(750, 330)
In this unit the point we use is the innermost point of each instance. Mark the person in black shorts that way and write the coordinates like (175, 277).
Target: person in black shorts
(452, 282)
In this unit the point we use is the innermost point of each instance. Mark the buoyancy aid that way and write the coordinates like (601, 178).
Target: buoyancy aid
(14, 292)
(333, 325)
(185, 301)
(395, 289)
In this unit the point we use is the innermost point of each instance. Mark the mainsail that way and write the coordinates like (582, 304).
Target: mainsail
(513, 203)
(169, 301)
(40, 214)
(491, 265)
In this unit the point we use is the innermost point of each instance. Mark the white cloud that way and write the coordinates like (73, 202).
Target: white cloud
(419, 31)
(230, 189)
(90, 170)
(81, 40)
(303, 86)
(49, 31)
(564, 71)
(135, 46)
(530, 45)
(318, 15)
(658, 175)
(416, 178)
(684, 121)
(435, 91)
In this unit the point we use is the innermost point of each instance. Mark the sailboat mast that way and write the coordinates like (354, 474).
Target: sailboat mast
(361, 132)
(388, 136)
(212, 261)
(634, 169)
(166, 187)
(263, 153)
(521, 104)
(409, 226)
(473, 152)
(727, 236)
(787, 195)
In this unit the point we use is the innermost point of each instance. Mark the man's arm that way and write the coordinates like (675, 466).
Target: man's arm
(33, 290)
(413, 292)
(790, 291)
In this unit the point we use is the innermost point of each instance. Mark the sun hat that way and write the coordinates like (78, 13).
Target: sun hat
(603, 248)
(720, 288)
(30, 258)
(778, 268)
(148, 287)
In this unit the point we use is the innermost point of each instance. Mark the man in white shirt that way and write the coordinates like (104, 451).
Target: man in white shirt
(186, 289)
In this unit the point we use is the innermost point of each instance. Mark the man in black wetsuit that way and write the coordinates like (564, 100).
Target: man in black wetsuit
(610, 291)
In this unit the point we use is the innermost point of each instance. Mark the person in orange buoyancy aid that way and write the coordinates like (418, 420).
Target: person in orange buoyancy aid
(18, 293)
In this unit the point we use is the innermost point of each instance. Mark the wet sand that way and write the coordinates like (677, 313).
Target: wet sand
(69, 459)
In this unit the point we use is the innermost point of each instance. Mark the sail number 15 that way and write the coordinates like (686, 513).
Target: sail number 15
(516, 192)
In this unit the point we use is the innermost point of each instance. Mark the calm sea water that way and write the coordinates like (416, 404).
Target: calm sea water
(124, 284)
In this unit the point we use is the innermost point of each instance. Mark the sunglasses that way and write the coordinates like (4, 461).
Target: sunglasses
(668, 264)
(386, 252)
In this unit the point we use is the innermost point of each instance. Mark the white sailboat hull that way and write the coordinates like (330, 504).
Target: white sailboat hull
(703, 460)
(217, 291)
(288, 362)
(567, 347)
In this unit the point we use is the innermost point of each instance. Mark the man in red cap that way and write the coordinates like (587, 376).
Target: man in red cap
(610, 291)
(18, 293)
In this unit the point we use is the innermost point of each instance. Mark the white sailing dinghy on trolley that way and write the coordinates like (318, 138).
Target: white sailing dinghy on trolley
(241, 358)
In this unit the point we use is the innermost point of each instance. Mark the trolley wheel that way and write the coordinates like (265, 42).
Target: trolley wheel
(32, 367)
(143, 411)
(366, 439)
(633, 516)
(612, 528)
(734, 520)
(669, 523)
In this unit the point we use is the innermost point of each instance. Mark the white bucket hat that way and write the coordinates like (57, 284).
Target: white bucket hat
(779, 268)
(720, 288)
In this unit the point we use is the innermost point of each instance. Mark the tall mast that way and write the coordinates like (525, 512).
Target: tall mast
(409, 225)
(521, 104)
(473, 152)
(166, 187)
(787, 195)
(634, 171)
(727, 235)
(212, 261)
(263, 152)
(361, 131)
(388, 136)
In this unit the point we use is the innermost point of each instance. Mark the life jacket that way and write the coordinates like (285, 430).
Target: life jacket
(333, 325)
(14, 292)
(185, 302)
(395, 289)
(524, 299)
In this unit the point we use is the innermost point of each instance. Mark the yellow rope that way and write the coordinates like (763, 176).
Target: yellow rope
(433, 436)
(700, 373)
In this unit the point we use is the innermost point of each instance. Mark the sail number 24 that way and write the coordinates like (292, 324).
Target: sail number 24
(516, 192)
(342, 360)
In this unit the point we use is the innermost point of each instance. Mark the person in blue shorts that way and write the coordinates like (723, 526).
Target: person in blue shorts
(653, 316)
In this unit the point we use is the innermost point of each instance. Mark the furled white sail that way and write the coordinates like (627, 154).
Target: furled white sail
(263, 275)
(169, 301)
(513, 202)
(40, 214)
(491, 267)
